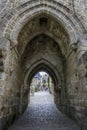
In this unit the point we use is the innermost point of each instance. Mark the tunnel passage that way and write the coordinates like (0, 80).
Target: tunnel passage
(43, 53)
(42, 44)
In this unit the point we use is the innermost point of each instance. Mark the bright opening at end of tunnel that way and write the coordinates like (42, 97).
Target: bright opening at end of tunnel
(41, 82)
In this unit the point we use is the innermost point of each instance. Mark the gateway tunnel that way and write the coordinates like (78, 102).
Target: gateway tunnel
(43, 41)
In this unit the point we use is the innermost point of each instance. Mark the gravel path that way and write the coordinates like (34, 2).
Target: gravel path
(42, 114)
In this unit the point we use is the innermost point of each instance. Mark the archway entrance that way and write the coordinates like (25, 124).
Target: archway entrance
(46, 35)
(42, 44)
(43, 53)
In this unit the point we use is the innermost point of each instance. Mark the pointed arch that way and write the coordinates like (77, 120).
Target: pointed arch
(56, 10)
(44, 65)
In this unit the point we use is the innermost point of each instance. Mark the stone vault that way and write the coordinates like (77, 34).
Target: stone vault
(49, 35)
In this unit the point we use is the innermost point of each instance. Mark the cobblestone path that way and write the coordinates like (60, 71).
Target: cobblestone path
(42, 114)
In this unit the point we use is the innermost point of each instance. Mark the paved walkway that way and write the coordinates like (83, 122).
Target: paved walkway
(42, 114)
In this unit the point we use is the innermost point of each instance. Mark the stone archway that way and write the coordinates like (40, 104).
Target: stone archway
(43, 53)
(44, 65)
(26, 48)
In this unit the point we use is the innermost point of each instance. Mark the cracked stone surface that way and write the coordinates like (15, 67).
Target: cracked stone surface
(42, 114)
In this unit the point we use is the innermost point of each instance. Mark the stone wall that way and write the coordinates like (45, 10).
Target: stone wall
(10, 82)
(76, 86)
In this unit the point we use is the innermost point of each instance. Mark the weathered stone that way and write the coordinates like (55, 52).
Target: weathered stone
(57, 46)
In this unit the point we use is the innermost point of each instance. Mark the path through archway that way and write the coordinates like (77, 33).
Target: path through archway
(41, 43)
